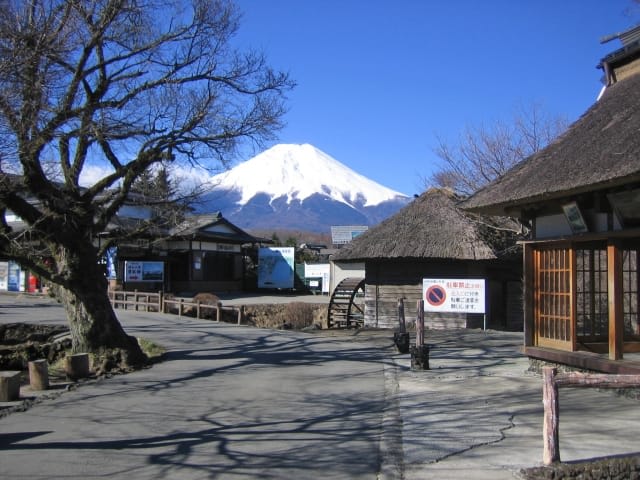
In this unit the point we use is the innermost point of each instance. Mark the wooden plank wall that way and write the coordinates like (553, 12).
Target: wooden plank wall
(385, 282)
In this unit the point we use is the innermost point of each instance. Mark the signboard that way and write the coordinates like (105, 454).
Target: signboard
(453, 295)
(276, 267)
(143, 271)
(343, 234)
(318, 270)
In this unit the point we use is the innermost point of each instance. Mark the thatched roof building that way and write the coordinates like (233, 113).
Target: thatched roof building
(581, 196)
(432, 226)
(433, 238)
(599, 151)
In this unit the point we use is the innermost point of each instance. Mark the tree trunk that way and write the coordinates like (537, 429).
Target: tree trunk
(92, 321)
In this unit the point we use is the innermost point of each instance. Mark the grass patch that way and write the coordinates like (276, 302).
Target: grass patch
(152, 350)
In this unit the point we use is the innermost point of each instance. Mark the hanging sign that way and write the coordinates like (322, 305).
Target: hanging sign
(453, 295)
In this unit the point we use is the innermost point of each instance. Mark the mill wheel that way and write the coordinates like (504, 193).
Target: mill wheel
(346, 306)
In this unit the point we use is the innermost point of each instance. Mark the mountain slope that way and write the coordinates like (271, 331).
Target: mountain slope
(299, 187)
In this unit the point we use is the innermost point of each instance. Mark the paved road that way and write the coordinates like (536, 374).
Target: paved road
(229, 402)
(235, 402)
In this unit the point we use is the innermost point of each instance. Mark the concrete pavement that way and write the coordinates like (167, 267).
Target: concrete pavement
(336, 405)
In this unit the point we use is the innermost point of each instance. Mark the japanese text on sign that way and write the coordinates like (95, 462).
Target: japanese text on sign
(453, 295)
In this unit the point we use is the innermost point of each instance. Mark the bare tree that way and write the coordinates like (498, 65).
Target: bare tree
(485, 153)
(124, 84)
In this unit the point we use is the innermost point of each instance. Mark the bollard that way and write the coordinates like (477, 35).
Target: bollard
(9, 386)
(77, 366)
(39, 374)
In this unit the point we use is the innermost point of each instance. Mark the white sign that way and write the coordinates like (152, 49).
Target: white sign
(459, 295)
(315, 270)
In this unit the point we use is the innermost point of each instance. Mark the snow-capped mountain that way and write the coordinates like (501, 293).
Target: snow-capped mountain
(299, 187)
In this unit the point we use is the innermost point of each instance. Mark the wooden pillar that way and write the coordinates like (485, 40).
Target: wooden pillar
(528, 295)
(39, 374)
(616, 321)
(401, 320)
(550, 436)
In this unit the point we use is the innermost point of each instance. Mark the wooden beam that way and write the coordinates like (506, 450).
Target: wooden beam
(528, 295)
(614, 280)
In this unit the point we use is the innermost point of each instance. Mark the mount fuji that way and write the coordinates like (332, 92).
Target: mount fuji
(298, 187)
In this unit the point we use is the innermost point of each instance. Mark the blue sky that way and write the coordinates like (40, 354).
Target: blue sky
(379, 81)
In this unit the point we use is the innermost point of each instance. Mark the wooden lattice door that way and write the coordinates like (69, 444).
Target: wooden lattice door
(553, 298)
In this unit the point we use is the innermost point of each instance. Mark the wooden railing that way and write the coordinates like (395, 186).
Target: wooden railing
(551, 380)
(144, 301)
(157, 302)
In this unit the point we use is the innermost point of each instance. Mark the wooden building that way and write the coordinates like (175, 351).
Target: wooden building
(204, 253)
(432, 238)
(581, 196)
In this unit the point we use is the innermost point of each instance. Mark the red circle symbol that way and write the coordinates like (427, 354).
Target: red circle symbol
(436, 295)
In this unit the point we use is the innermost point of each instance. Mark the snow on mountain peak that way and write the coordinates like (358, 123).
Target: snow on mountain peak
(299, 171)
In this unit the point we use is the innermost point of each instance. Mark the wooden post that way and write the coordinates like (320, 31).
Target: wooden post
(550, 436)
(160, 302)
(180, 307)
(198, 309)
(614, 283)
(39, 374)
(420, 324)
(9, 386)
(77, 366)
(401, 338)
(240, 313)
(218, 311)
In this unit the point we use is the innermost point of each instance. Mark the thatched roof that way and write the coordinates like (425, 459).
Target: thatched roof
(600, 150)
(429, 227)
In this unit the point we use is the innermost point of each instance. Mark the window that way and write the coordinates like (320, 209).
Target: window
(630, 293)
(592, 308)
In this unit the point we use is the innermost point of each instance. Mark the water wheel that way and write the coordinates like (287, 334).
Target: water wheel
(346, 307)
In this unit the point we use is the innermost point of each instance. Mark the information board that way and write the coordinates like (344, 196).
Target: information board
(276, 267)
(143, 271)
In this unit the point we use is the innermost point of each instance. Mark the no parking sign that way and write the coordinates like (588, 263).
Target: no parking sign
(453, 295)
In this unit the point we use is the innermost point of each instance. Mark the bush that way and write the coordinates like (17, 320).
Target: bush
(297, 315)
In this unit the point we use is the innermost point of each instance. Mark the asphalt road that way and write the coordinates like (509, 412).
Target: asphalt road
(229, 402)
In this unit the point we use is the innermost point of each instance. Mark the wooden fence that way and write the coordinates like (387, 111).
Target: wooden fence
(157, 302)
(551, 380)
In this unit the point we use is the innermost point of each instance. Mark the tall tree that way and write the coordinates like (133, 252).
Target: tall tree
(483, 153)
(124, 84)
